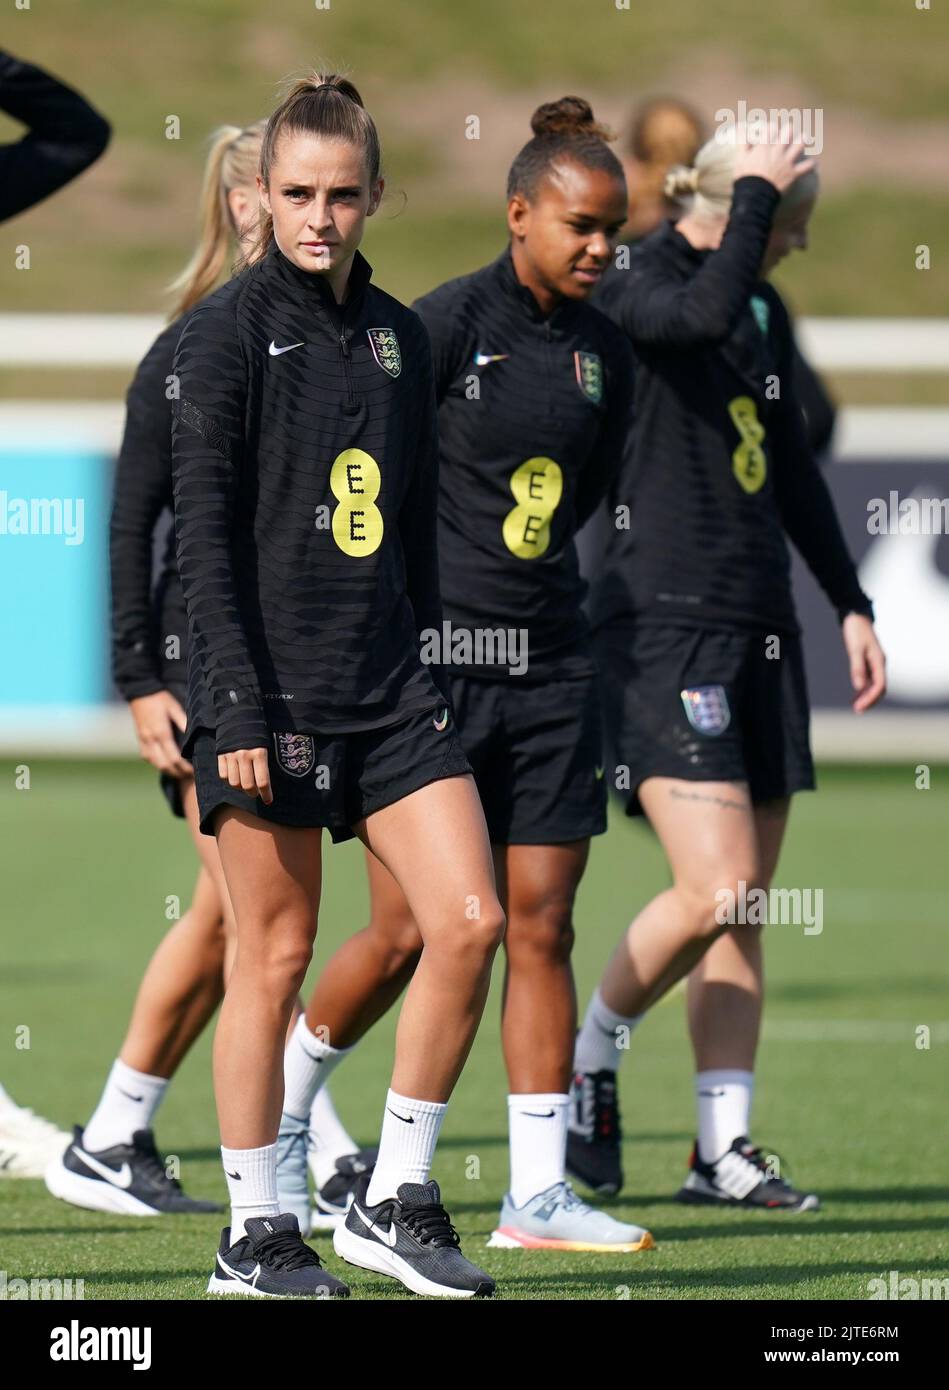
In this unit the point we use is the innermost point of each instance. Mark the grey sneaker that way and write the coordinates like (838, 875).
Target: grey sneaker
(293, 1191)
(558, 1220)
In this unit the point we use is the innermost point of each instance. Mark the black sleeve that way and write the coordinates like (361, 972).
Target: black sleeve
(65, 135)
(141, 492)
(659, 309)
(418, 513)
(450, 333)
(206, 444)
(615, 433)
(820, 412)
(806, 506)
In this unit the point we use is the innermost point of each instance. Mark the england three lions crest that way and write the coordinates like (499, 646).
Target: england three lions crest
(590, 375)
(295, 753)
(385, 349)
(706, 707)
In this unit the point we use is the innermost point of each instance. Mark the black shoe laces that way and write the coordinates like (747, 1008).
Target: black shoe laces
(430, 1224)
(756, 1156)
(285, 1250)
(605, 1110)
(150, 1161)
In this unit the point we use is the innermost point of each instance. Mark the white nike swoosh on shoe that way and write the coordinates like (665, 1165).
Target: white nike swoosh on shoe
(247, 1278)
(276, 351)
(118, 1177)
(387, 1237)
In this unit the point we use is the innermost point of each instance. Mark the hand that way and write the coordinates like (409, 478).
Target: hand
(248, 769)
(867, 662)
(776, 160)
(155, 718)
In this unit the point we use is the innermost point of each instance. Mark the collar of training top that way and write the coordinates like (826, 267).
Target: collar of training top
(315, 284)
(504, 269)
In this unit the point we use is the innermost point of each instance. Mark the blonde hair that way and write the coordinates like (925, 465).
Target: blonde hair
(325, 104)
(232, 162)
(705, 186)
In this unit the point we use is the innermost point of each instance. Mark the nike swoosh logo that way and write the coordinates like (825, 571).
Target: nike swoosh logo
(482, 359)
(118, 1177)
(276, 351)
(598, 773)
(247, 1278)
(406, 1119)
(539, 1114)
(236, 1176)
(711, 1093)
(130, 1096)
(441, 722)
(387, 1237)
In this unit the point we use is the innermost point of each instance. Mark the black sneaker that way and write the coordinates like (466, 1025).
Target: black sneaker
(742, 1177)
(332, 1200)
(128, 1178)
(272, 1261)
(410, 1238)
(594, 1135)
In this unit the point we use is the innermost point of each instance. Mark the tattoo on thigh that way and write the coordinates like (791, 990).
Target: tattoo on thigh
(722, 801)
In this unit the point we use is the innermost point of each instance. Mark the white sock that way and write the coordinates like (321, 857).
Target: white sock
(128, 1103)
(252, 1184)
(537, 1125)
(329, 1137)
(723, 1099)
(409, 1135)
(599, 1046)
(307, 1064)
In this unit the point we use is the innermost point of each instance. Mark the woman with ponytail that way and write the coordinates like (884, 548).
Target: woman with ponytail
(305, 481)
(184, 981)
(696, 636)
(533, 388)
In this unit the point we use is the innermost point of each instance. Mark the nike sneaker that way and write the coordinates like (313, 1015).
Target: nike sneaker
(332, 1200)
(594, 1135)
(128, 1178)
(293, 1192)
(742, 1177)
(272, 1261)
(558, 1220)
(28, 1143)
(410, 1238)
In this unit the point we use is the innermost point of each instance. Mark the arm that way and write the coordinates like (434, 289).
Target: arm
(65, 135)
(602, 467)
(820, 413)
(807, 509)
(419, 511)
(449, 334)
(141, 491)
(659, 310)
(207, 440)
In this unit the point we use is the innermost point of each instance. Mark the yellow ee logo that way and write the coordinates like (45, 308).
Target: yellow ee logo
(355, 481)
(749, 463)
(537, 484)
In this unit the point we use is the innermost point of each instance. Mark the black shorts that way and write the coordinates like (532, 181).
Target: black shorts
(536, 752)
(333, 780)
(706, 705)
(171, 786)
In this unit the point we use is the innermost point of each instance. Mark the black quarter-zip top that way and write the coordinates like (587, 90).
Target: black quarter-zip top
(534, 415)
(305, 486)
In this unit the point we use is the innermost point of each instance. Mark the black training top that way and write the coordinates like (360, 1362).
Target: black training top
(65, 135)
(533, 416)
(305, 479)
(149, 631)
(720, 467)
(820, 412)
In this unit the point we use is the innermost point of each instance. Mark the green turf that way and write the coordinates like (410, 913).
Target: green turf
(845, 1095)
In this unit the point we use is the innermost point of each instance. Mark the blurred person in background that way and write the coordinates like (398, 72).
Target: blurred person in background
(185, 978)
(698, 644)
(65, 135)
